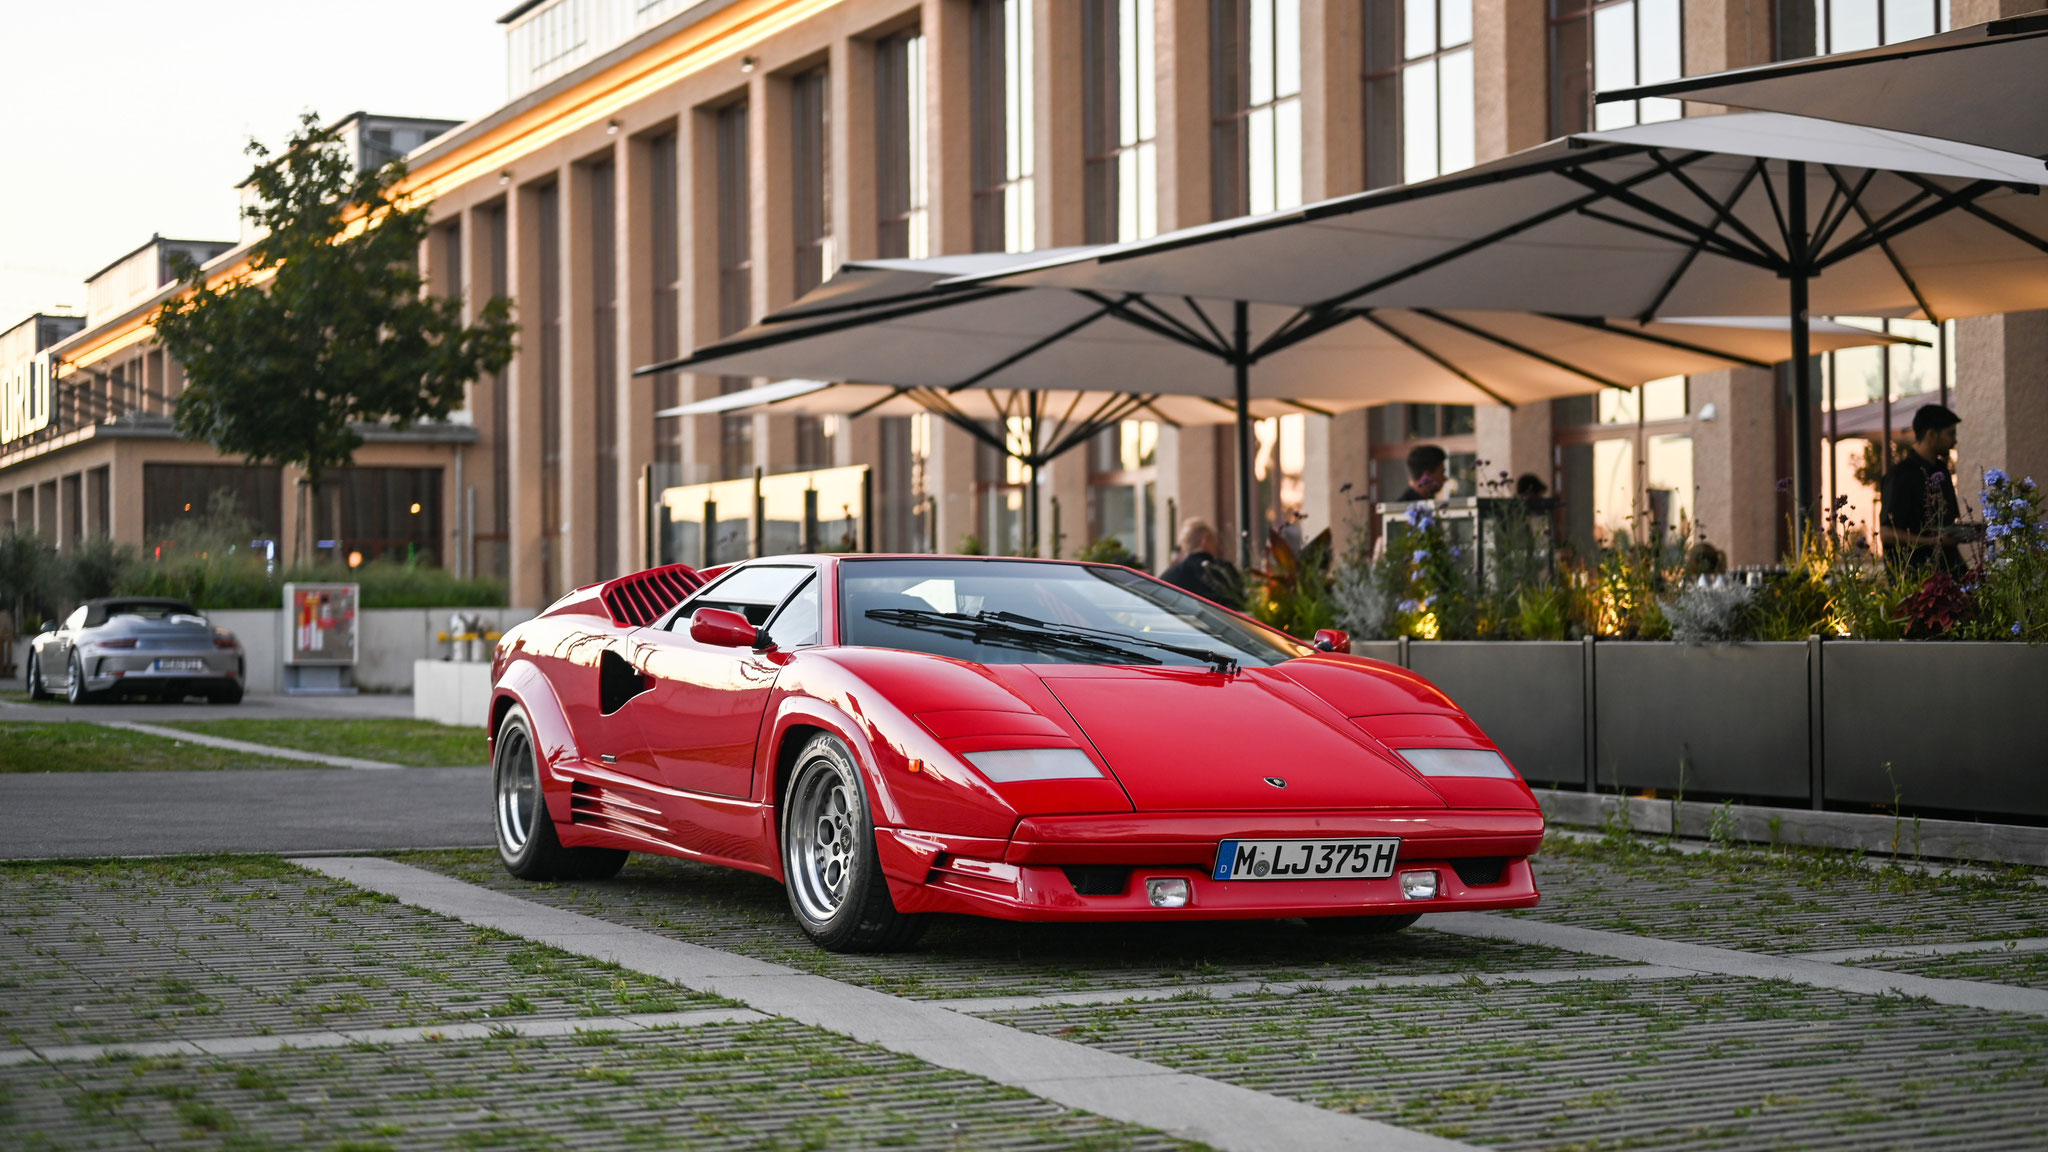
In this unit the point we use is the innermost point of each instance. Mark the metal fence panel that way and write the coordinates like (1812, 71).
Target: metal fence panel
(1529, 696)
(1729, 719)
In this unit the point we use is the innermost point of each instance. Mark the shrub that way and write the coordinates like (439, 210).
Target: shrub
(1704, 613)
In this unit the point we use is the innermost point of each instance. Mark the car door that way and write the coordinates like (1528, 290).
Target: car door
(700, 715)
(56, 656)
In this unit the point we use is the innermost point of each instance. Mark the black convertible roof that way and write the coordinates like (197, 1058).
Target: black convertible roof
(97, 611)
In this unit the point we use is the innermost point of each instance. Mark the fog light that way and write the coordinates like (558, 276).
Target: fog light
(1418, 885)
(1171, 892)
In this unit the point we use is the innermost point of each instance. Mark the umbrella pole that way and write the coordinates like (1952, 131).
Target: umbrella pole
(1805, 465)
(1241, 362)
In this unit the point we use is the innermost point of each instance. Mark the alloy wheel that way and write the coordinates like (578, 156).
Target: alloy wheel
(819, 856)
(518, 804)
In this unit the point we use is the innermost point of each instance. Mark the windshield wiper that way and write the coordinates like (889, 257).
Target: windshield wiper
(983, 626)
(1221, 661)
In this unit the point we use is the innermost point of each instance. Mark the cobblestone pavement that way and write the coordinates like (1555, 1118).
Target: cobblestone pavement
(1534, 1048)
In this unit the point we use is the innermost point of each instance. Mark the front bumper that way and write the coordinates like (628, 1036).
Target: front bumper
(1028, 877)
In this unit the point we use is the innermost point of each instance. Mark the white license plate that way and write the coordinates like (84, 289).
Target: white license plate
(181, 665)
(1306, 859)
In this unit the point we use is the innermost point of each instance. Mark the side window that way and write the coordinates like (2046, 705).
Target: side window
(800, 621)
(76, 620)
(754, 592)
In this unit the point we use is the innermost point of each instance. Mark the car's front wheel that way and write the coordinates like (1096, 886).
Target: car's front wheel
(526, 833)
(829, 862)
(37, 690)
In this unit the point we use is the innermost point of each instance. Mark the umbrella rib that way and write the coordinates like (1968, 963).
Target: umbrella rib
(1601, 325)
(1852, 201)
(1493, 237)
(1035, 346)
(939, 406)
(775, 339)
(1719, 245)
(1151, 404)
(1777, 209)
(1704, 233)
(1196, 308)
(1856, 206)
(1721, 214)
(867, 408)
(1971, 206)
(1890, 226)
(1723, 210)
(1292, 333)
(1171, 329)
(1514, 346)
(1373, 318)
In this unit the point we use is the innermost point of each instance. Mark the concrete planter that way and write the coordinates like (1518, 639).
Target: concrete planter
(454, 692)
(1963, 727)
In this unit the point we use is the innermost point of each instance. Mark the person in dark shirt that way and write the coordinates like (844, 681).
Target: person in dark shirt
(1918, 524)
(1428, 468)
(1199, 571)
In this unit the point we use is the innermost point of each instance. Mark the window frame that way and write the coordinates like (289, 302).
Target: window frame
(1395, 75)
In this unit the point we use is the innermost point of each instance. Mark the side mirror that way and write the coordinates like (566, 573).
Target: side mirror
(49, 626)
(1332, 640)
(721, 628)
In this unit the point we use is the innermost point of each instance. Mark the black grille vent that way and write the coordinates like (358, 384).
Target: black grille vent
(1098, 879)
(1482, 872)
(640, 599)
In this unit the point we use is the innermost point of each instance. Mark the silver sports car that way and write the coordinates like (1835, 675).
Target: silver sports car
(139, 646)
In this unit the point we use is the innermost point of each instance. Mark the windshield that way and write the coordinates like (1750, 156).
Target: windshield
(1018, 612)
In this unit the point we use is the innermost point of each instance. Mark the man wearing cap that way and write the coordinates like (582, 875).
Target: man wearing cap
(1919, 523)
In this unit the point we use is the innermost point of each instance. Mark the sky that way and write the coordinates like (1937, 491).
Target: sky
(122, 118)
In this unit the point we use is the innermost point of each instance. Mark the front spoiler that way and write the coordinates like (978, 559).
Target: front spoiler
(1025, 878)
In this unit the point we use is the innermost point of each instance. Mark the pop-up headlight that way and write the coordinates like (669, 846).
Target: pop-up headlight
(1010, 765)
(1458, 762)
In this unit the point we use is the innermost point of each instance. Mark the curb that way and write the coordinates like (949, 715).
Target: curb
(1909, 837)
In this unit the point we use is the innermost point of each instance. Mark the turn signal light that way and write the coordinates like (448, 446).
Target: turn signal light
(1419, 885)
(1167, 892)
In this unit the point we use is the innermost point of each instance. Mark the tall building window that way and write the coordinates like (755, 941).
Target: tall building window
(1625, 465)
(1000, 44)
(1601, 45)
(1119, 120)
(1868, 398)
(735, 279)
(493, 544)
(1820, 27)
(604, 358)
(1255, 87)
(1418, 89)
(810, 163)
(665, 264)
(547, 203)
(899, 146)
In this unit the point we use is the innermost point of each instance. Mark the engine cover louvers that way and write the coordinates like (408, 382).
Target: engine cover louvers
(640, 599)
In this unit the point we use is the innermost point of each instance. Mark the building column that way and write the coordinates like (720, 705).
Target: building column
(697, 173)
(527, 559)
(634, 398)
(1735, 467)
(2001, 393)
(1333, 164)
(578, 403)
(949, 128)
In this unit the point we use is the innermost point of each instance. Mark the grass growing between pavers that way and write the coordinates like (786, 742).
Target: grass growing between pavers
(1702, 1063)
(394, 740)
(149, 950)
(80, 746)
(2021, 969)
(968, 956)
(771, 1085)
(1776, 899)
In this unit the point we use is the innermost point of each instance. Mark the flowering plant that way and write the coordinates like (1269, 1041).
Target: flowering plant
(2012, 583)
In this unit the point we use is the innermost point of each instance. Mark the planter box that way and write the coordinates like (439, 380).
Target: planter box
(1734, 715)
(1963, 726)
(1529, 696)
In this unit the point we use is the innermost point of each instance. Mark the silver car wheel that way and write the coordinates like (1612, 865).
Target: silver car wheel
(519, 799)
(819, 841)
(74, 684)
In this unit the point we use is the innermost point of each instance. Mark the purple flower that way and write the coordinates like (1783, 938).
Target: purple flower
(2015, 629)
(1421, 556)
(1994, 476)
(1784, 484)
(1409, 606)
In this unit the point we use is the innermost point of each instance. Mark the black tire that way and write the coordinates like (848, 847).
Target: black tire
(527, 843)
(232, 694)
(37, 690)
(831, 869)
(1382, 925)
(74, 688)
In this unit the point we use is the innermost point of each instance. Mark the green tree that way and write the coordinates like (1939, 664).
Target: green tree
(328, 327)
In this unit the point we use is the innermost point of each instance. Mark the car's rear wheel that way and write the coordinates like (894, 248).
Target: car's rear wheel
(75, 690)
(526, 833)
(1362, 925)
(829, 862)
(37, 690)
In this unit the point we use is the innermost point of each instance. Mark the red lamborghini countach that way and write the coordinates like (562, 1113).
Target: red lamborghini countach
(893, 736)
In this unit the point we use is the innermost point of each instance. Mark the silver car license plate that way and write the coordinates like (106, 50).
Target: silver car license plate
(1306, 859)
(189, 664)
